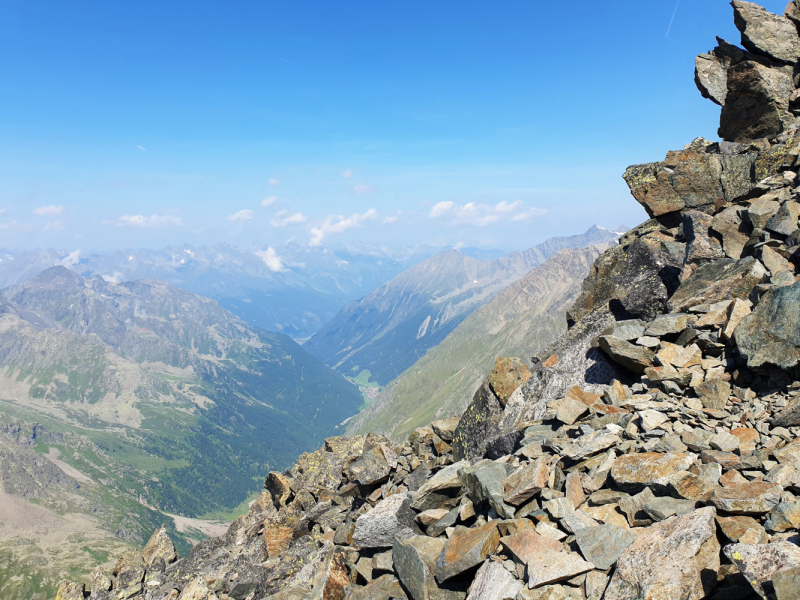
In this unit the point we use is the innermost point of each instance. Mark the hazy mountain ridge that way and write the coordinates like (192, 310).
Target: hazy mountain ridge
(293, 289)
(522, 318)
(388, 330)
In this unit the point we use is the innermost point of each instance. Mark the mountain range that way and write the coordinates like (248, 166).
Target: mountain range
(293, 289)
(392, 327)
(517, 322)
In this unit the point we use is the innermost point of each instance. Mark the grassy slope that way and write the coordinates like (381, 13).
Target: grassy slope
(518, 321)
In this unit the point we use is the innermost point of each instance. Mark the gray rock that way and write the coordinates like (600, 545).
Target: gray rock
(720, 280)
(759, 562)
(446, 428)
(766, 33)
(526, 482)
(786, 584)
(629, 330)
(392, 517)
(446, 521)
(494, 582)
(676, 558)
(444, 480)
(587, 444)
(635, 358)
(789, 416)
(385, 587)
(663, 507)
(603, 544)
(713, 394)
(769, 335)
(752, 497)
(478, 424)
(414, 560)
(484, 483)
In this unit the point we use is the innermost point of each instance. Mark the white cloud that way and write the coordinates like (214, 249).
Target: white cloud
(273, 181)
(269, 201)
(270, 258)
(142, 148)
(282, 220)
(47, 211)
(3, 211)
(362, 189)
(528, 214)
(151, 221)
(481, 215)
(391, 219)
(71, 259)
(347, 174)
(11, 225)
(53, 226)
(242, 215)
(338, 224)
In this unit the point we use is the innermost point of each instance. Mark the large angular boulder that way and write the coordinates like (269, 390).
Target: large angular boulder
(769, 335)
(508, 374)
(485, 483)
(414, 559)
(720, 280)
(757, 102)
(391, 518)
(676, 558)
(465, 549)
(648, 469)
(479, 423)
(766, 33)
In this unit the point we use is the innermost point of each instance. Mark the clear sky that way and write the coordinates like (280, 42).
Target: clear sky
(495, 123)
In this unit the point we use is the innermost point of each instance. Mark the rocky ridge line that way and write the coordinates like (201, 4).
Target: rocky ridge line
(653, 451)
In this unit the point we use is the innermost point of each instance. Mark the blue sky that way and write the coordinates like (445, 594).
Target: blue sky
(495, 124)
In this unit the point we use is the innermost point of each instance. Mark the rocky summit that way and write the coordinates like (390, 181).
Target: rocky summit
(650, 452)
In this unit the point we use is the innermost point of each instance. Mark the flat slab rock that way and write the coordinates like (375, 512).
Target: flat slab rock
(649, 468)
(552, 567)
(676, 558)
(603, 544)
(467, 548)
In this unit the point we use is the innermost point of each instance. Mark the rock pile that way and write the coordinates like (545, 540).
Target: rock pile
(653, 451)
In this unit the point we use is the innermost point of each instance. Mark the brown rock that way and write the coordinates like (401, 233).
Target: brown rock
(574, 489)
(467, 548)
(765, 33)
(748, 438)
(713, 393)
(648, 468)
(280, 488)
(276, 539)
(527, 545)
(507, 376)
(740, 526)
(753, 497)
(526, 482)
(635, 358)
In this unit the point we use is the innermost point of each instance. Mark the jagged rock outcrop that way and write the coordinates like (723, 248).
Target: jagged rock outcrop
(653, 451)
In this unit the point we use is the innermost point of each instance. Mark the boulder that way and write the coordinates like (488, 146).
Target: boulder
(552, 567)
(446, 428)
(507, 376)
(465, 549)
(757, 102)
(391, 518)
(603, 544)
(676, 558)
(786, 584)
(478, 424)
(770, 335)
(752, 497)
(648, 469)
(484, 483)
(765, 33)
(741, 528)
(587, 444)
(720, 280)
(526, 545)
(630, 356)
(526, 482)
(159, 547)
(414, 559)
